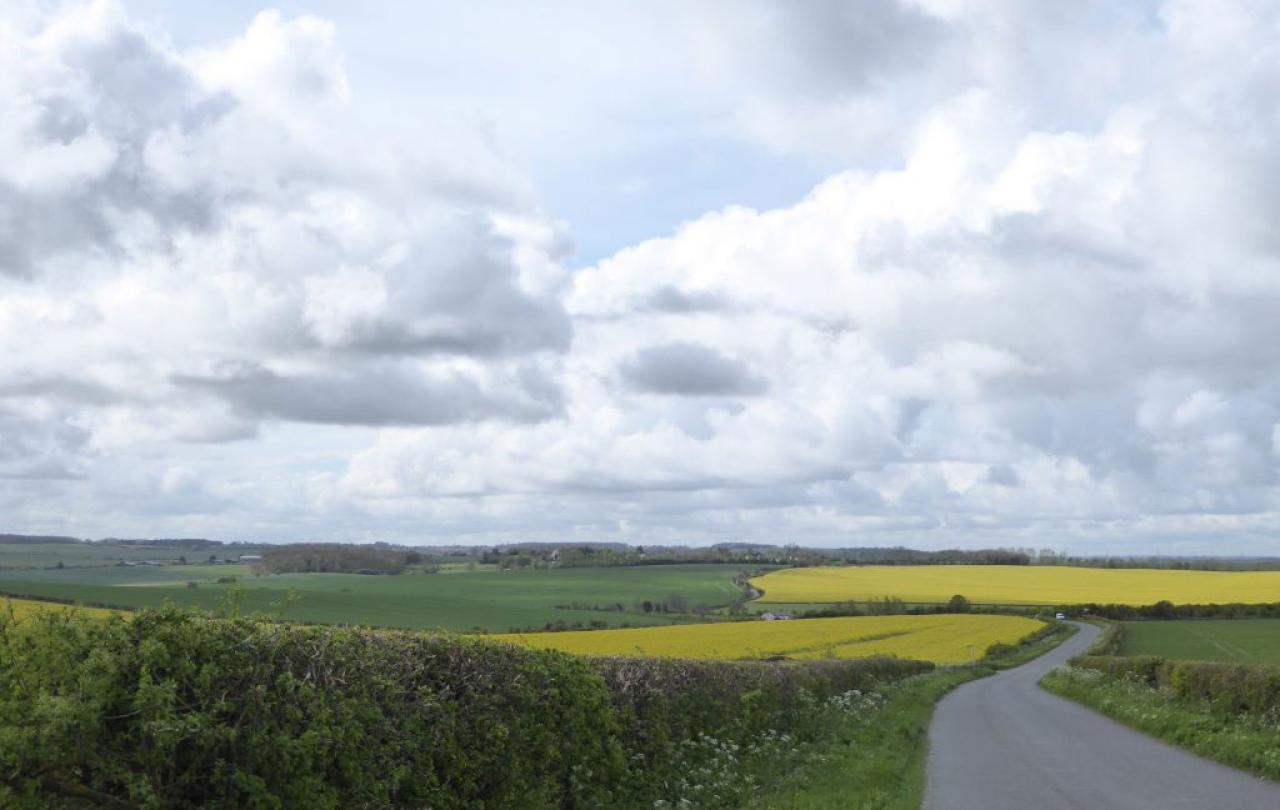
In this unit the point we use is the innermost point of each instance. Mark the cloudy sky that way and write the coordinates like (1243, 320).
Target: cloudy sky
(929, 272)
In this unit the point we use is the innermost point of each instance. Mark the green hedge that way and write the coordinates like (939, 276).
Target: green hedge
(1251, 689)
(171, 709)
(1107, 643)
(1168, 610)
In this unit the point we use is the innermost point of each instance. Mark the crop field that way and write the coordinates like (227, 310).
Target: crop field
(943, 638)
(1245, 641)
(465, 600)
(1017, 585)
(24, 608)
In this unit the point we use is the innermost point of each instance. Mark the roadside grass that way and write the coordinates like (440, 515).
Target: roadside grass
(1031, 649)
(878, 763)
(1246, 641)
(1249, 742)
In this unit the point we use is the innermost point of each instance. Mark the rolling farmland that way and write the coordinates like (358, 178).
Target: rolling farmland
(491, 600)
(1242, 641)
(941, 638)
(1017, 585)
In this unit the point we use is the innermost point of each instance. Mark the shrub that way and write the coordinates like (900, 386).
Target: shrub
(171, 709)
(175, 710)
(1236, 689)
(1167, 610)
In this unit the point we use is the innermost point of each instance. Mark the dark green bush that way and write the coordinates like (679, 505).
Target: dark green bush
(171, 709)
(1109, 640)
(1165, 610)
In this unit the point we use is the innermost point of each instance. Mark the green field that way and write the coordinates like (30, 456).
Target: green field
(1251, 641)
(463, 600)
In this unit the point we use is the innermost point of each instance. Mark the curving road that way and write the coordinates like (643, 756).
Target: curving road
(1003, 743)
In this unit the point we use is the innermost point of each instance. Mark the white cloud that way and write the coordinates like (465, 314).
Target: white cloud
(1036, 308)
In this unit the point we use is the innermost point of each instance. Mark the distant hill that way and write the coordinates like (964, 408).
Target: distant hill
(37, 539)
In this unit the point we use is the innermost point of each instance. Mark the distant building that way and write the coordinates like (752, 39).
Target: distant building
(250, 558)
(775, 616)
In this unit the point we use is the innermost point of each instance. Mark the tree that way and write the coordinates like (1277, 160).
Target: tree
(958, 604)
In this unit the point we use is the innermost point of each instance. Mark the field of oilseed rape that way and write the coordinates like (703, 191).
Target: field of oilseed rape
(1018, 585)
(24, 608)
(943, 638)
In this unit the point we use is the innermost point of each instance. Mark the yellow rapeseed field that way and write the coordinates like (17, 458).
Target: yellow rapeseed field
(945, 639)
(23, 608)
(1018, 585)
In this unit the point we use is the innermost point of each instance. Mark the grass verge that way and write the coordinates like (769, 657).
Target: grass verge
(1250, 742)
(878, 763)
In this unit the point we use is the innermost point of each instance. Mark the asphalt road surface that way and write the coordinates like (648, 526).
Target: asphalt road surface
(1003, 743)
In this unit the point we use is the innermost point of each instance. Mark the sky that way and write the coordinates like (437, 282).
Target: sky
(934, 273)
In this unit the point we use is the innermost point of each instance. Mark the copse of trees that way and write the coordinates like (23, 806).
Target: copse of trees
(1171, 563)
(171, 709)
(334, 558)
(579, 555)
(953, 556)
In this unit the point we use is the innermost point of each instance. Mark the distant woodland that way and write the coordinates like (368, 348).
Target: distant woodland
(334, 558)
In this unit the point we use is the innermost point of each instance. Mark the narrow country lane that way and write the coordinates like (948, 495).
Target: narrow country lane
(1003, 743)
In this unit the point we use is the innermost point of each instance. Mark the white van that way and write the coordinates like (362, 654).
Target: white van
(1061, 616)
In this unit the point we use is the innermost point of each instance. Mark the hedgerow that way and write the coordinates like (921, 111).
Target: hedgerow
(1107, 643)
(1236, 689)
(1226, 712)
(1168, 610)
(173, 709)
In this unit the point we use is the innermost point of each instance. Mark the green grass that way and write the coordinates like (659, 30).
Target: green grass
(491, 600)
(1245, 641)
(1247, 742)
(879, 764)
